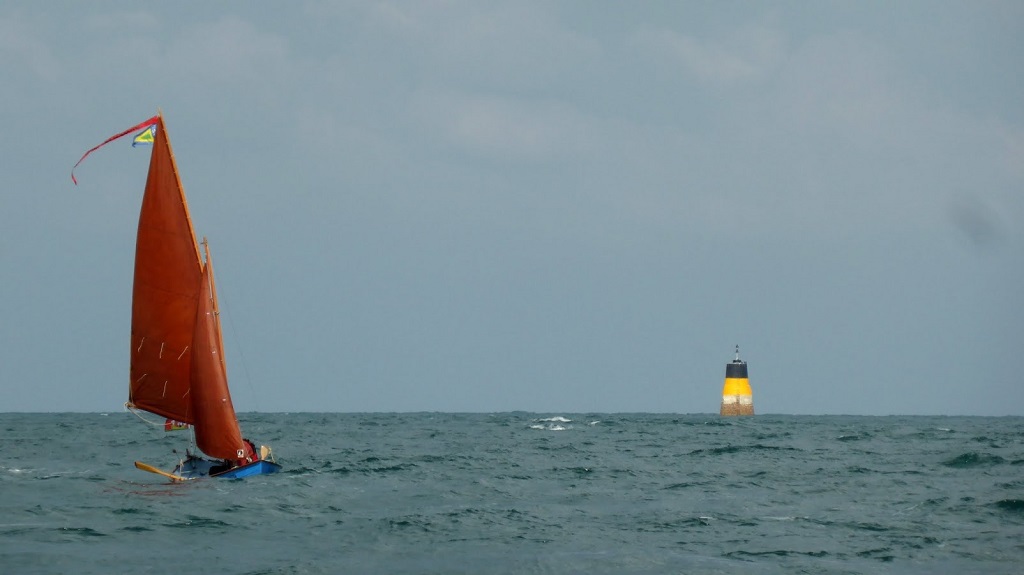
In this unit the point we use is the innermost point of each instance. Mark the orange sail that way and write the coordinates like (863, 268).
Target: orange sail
(176, 346)
(165, 293)
(217, 433)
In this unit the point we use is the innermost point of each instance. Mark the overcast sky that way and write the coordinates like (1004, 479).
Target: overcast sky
(542, 206)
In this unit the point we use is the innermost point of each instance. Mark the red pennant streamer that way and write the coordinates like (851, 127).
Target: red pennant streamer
(148, 122)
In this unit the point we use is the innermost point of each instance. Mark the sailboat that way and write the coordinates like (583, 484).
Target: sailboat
(177, 368)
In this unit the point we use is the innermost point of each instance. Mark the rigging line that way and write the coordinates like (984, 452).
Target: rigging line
(223, 301)
(138, 413)
(241, 354)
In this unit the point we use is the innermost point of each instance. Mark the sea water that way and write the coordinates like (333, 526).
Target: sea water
(522, 493)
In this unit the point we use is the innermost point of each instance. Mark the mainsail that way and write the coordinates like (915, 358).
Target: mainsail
(166, 292)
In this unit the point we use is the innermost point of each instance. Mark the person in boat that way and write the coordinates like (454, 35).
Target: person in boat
(251, 454)
(221, 467)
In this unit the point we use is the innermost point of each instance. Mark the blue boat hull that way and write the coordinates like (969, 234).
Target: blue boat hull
(196, 467)
(254, 468)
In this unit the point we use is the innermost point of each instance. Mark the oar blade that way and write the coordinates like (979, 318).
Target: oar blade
(151, 469)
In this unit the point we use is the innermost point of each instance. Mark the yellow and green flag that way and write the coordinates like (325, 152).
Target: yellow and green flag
(145, 137)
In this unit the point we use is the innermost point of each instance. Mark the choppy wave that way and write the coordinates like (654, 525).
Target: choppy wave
(973, 459)
(551, 423)
(525, 493)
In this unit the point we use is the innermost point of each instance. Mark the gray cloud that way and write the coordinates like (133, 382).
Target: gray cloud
(466, 206)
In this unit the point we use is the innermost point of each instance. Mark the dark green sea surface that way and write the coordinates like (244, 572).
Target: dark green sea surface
(522, 493)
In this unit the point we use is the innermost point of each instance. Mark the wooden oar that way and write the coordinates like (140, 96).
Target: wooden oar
(152, 469)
